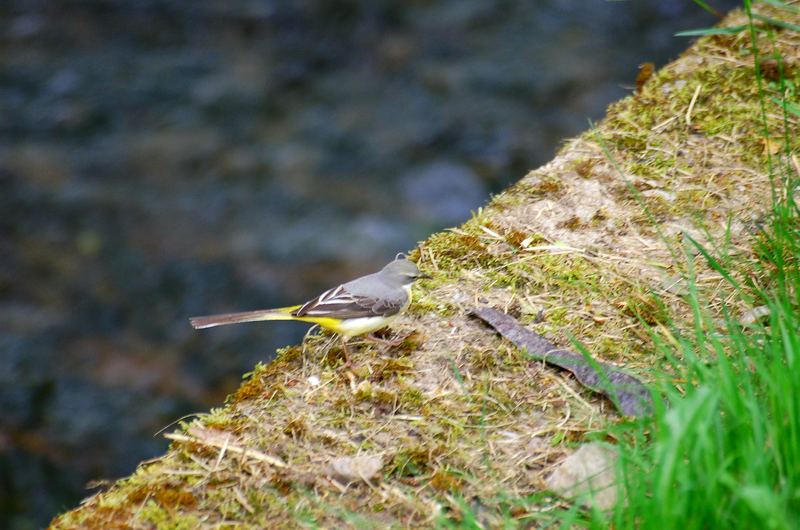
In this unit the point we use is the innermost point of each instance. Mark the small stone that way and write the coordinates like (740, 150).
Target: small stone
(588, 472)
(313, 380)
(754, 315)
(667, 196)
(348, 469)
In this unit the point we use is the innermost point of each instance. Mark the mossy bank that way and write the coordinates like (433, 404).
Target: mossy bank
(582, 248)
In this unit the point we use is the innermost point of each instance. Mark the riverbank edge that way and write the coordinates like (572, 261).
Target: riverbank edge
(454, 413)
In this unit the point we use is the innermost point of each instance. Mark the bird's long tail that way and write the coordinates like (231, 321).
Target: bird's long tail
(281, 313)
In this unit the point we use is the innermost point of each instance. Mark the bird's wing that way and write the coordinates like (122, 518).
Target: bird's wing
(339, 302)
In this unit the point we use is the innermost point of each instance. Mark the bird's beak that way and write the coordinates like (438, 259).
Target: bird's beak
(423, 276)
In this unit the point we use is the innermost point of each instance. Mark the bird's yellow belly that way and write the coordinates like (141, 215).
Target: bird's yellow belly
(353, 326)
(357, 326)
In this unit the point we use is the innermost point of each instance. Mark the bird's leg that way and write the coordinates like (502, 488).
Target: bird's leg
(346, 352)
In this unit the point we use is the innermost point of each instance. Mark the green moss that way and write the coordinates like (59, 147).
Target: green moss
(252, 387)
(334, 356)
(296, 427)
(431, 305)
(452, 250)
(599, 217)
(389, 368)
(415, 460)
(383, 396)
(443, 480)
(221, 419)
(584, 167)
(483, 359)
(451, 415)
(727, 104)
(573, 223)
(289, 355)
(262, 381)
(654, 208)
(163, 519)
(648, 308)
(411, 397)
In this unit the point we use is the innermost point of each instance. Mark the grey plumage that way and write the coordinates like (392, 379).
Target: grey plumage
(354, 308)
(383, 293)
(375, 296)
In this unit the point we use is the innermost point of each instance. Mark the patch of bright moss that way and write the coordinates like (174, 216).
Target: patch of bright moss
(443, 480)
(584, 167)
(163, 519)
(415, 460)
(389, 368)
(648, 308)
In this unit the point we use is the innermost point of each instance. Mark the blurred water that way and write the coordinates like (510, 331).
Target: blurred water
(160, 159)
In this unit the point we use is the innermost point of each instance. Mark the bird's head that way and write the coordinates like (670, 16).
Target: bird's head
(403, 271)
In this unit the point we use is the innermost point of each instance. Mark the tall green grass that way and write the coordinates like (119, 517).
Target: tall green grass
(724, 450)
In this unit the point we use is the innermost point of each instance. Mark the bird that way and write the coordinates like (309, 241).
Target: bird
(355, 308)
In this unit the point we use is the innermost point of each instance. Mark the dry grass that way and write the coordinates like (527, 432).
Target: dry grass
(456, 414)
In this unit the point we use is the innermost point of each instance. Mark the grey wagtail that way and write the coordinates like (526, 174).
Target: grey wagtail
(353, 308)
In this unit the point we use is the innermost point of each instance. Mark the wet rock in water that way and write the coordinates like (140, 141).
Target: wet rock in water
(443, 193)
